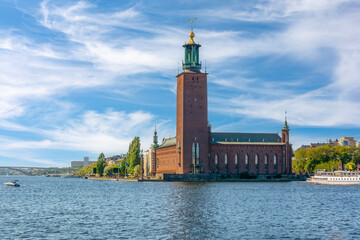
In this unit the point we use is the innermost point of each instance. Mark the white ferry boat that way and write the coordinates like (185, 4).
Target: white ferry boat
(324, 177)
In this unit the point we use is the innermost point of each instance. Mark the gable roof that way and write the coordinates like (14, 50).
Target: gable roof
(168, 142)
(224, 137)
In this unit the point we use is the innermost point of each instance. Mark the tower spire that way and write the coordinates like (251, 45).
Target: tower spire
(192, 34)
(191, 61)
(155, 138)
(285, 127)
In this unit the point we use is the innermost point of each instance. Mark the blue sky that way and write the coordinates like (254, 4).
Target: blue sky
(82, 77)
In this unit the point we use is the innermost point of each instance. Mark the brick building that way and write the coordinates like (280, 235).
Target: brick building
(196, 149)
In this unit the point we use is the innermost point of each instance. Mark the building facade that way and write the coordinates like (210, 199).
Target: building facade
(196, 149)
(76, 164)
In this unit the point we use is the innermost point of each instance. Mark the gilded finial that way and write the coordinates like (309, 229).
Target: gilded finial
(192, 34)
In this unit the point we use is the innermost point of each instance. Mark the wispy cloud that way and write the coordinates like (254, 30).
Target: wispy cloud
(93, 132)
(314, 32)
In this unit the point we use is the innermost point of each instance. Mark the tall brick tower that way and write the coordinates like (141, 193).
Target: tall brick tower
(192, 135)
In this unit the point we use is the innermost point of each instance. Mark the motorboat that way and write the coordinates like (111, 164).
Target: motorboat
(14, 183)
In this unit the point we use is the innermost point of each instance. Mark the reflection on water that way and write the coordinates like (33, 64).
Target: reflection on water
(57, 208)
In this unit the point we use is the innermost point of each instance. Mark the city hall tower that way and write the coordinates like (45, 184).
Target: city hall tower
(192, 130)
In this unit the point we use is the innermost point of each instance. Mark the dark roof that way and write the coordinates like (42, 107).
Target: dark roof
(168, 142)
(221, 137)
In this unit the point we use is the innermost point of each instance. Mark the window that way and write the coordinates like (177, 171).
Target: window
(193, 153)
(275, 163)
(274, 159)
(216, 163)
(246, 162)
(226, 163)
(257, 163)
(236, 163)
(197, 153)
(266, 163)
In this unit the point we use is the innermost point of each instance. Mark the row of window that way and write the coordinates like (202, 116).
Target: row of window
(246, 159)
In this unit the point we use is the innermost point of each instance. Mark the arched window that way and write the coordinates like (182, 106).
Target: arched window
(266, 163)
(226, 163)
(193, 152)
(275, 163)
(236, 163)
(275, 159)
(216, 163)
(246, 159)
(257, 163)
(197, 153)
(266, 159)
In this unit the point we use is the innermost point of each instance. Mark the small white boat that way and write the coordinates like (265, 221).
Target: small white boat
(324, 177)
(14, 183)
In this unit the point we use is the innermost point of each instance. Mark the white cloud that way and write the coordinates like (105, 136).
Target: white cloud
(93, 132)
(313, 28)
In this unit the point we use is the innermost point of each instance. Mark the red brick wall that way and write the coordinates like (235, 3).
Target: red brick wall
(166, 160)
(191, 120)
(251, 150)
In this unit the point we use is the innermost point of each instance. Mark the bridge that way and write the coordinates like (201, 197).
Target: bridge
(37, 170)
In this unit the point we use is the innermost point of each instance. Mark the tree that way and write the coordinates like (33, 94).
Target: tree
(87, 169)
(133, 155)
(326, 157)
(137, 170)
(350, 166)
(100, 164)
(109, 170)
(101, 157)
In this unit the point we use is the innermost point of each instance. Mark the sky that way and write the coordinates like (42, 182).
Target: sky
(78, 78)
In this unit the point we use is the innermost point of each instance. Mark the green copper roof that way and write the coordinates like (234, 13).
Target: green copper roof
(219, 137)
(168, 142)
(285, 127)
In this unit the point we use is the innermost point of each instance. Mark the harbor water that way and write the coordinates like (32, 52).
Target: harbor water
(72, 208)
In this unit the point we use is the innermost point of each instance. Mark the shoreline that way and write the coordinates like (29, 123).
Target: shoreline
(199, 180)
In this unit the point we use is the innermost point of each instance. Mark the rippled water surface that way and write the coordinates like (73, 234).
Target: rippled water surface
(63, 208)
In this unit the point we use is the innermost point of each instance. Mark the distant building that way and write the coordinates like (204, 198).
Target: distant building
(149, 163)
(347, 141)
(114, 159)
(86, 162)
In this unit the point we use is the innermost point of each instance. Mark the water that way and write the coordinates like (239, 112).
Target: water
(64, 208)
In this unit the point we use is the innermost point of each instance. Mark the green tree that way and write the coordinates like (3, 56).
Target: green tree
(100, 164)
(350, 166)
(87, 169)
(133, 155)
(137, 170)
(325, 157)
(109, 171)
